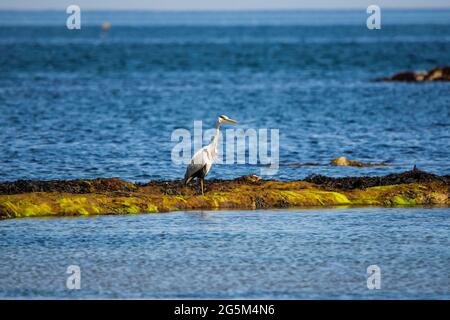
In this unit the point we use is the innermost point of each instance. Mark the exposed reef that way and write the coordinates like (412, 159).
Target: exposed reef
(69, 186)
(115, 196)
(343, 161)
(414, 176)
(436, 74)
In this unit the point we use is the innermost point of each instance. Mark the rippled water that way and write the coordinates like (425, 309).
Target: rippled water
(231, 254)
(90, 103)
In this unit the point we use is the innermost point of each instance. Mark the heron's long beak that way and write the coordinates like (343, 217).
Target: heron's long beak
(230, 120)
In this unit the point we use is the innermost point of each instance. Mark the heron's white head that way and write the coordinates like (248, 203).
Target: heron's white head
(221, 119)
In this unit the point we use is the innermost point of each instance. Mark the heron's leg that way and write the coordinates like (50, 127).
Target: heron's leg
(201, 184)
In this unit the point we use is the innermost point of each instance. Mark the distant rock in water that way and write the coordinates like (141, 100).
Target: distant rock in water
(436, 74)
(343, 161)
(105, 26)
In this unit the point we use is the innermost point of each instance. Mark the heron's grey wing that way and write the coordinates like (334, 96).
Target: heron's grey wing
(196, 164)
(191, 170)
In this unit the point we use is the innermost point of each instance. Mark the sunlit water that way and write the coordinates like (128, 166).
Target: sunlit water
(231, 254)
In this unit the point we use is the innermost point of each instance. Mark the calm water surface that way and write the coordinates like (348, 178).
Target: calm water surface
(231, 254)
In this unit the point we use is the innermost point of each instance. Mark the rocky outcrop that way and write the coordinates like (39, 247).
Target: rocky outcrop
(343, 161)
(69, 186)
(414, 176)
(115, 196)
(436, 74)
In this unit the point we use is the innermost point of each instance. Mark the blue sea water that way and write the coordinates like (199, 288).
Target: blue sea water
(94, 103)
(288, 254)
(90, 103)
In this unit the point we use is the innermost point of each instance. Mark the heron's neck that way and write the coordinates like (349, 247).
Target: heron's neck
(215, 139)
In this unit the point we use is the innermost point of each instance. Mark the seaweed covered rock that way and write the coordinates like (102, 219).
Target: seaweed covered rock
(349, 183)
(115, 196)
(70, 186)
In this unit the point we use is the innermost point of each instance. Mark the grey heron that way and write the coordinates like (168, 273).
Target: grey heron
(203, 159)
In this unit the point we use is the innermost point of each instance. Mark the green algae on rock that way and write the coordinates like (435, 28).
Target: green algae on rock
(114, 196)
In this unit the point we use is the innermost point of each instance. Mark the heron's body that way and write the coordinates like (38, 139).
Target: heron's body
(203, 159)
